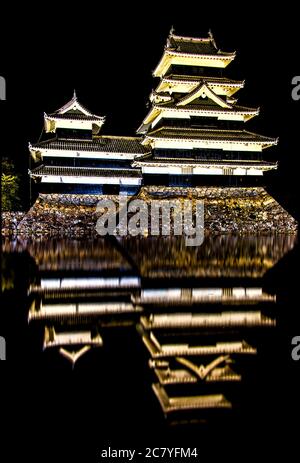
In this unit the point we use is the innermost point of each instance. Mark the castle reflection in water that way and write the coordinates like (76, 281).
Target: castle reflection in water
(200, 315)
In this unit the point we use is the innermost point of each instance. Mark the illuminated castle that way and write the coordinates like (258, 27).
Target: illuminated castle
(195, 128)
(75, 159)
(193, 133)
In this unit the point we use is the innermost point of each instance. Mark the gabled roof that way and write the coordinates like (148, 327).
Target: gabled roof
(194, 45)
(203, 90)
(74, 110)
(191, 51)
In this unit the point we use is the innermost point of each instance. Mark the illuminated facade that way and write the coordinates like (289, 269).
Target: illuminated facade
(192, 135)
(195, 128)
(76, 159)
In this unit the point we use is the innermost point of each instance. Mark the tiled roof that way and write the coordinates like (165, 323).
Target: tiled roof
(206, 107)
(84, 171)
(73, 107)
(194, 46)
(186, 45)
(215, 80)
(101, 144)
(209, 134)
(201, 162)
(74, 116)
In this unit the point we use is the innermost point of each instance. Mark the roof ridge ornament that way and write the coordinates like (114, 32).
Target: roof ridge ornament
(74, 95)
(169, 44)
(210, 35)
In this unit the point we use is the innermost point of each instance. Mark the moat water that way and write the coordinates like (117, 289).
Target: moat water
(96, 332)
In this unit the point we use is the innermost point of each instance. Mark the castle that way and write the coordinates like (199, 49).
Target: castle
(192, 135)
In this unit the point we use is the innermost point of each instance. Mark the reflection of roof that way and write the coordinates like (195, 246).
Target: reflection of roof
(102, 144)
(209, 134)
(187, 403)
(207, 320)
(85, 171)
(47, 311)
(54, 339)
(194, 296)
(158, 349)
(93, 285)
(167, 376)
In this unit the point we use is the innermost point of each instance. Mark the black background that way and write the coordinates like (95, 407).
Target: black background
(107, 52)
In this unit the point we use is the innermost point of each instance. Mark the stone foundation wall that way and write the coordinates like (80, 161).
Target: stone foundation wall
(227, 210)
(70, 200)
(235, 210)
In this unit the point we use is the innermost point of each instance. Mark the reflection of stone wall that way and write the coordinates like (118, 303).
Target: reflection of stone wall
(220, 255)
(10, 222)
(76, 254)
(227, 210)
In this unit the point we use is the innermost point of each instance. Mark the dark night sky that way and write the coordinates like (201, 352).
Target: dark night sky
(108, 54)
